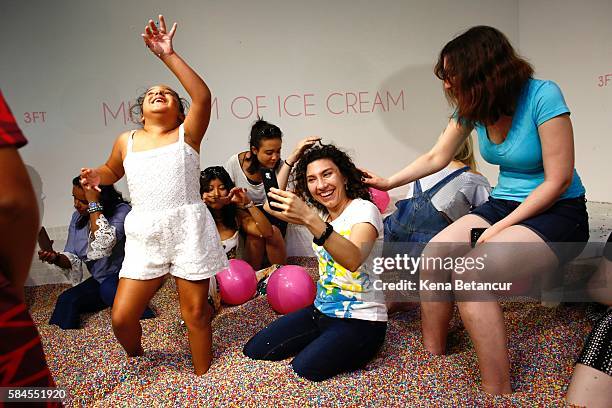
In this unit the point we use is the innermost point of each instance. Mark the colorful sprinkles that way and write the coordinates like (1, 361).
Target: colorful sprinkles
(91, 365)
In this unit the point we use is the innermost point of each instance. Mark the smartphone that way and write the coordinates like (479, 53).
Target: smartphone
(475, 233)
(268, 177)
(44, 242)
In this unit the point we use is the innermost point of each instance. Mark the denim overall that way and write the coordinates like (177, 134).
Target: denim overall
(416, 219)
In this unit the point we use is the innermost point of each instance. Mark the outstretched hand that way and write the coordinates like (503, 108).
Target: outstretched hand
(90, 179)
(375, 181)
(157, 39)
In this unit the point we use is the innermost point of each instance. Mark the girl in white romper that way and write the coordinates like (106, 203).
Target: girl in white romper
(169, 229)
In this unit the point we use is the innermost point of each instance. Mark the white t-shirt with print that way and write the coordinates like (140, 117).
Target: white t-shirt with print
(346, 294)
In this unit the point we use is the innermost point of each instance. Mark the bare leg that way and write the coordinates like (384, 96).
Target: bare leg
(131, 300)
(193, 298)
(436, 315)
(484, 320)
(275, 247)
(589, 388)
(254, 248)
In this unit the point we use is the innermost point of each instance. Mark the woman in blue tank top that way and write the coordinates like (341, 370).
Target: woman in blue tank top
(523, 125)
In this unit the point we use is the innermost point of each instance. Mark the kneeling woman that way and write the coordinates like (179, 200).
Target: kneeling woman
(95, 238)
(346, 326)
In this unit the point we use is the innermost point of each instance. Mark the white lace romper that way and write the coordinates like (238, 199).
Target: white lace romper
(169, 229)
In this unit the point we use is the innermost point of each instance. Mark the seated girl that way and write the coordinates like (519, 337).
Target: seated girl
(346, 326)
(96, 238)
(432, 204)
(452, 191)
(234, 211)
(245, 168)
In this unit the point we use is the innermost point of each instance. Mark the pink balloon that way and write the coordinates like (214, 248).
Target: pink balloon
(290, 288)
(380, 198)
(237, 283)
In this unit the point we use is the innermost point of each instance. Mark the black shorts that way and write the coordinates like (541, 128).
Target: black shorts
(566, 221)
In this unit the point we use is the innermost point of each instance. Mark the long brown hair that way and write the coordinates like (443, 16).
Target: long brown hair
(485, 73)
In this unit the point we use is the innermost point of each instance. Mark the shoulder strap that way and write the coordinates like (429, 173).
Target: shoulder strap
(416, 187)
(432, 191)
(181, 138)
(130, 141)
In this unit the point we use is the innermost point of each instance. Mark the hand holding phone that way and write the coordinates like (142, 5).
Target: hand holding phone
(268, 176)
(475, 233)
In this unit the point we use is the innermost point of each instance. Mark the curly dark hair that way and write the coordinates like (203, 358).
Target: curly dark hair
(110, 199)
(486, 75)
(355, 187)
(136, 109)
(228, 212)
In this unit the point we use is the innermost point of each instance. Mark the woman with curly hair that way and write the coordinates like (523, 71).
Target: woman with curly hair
(346, 326)
(523, 125)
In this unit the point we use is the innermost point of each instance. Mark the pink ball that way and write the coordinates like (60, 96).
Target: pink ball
(290, 288)
(237, 283)
(380, 198)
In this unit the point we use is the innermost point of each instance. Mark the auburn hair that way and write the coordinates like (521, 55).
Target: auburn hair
(485, 74)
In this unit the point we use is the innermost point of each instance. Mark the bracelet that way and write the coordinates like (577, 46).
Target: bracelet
(94, 207)
(247, 206)
(321, 240)
(290, 165)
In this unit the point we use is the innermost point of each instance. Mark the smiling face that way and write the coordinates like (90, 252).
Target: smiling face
(268, 153)
(160, 99)
(80, 203)
(216, 191)
(326, 183)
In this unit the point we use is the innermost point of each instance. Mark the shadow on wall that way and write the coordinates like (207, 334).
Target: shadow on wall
(426, 110)
(37, 184)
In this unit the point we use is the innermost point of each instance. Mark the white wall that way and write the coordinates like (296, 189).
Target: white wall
(78, 61)
(570, 42)
(70, 59)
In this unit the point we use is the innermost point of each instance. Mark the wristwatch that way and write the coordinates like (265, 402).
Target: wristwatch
(321, 240)
(94, 207)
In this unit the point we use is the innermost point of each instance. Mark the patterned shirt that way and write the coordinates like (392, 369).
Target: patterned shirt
(346, 294)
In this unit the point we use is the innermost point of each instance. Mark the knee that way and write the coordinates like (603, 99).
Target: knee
(277, 235)
(253, 241)
(69, 298)
(307, 370)
(197, 315)
(251, 350)
(65, 297)
(122, 321)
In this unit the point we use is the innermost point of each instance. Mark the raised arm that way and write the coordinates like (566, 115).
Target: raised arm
(434, 160)
(292, 159)
(159, 41)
